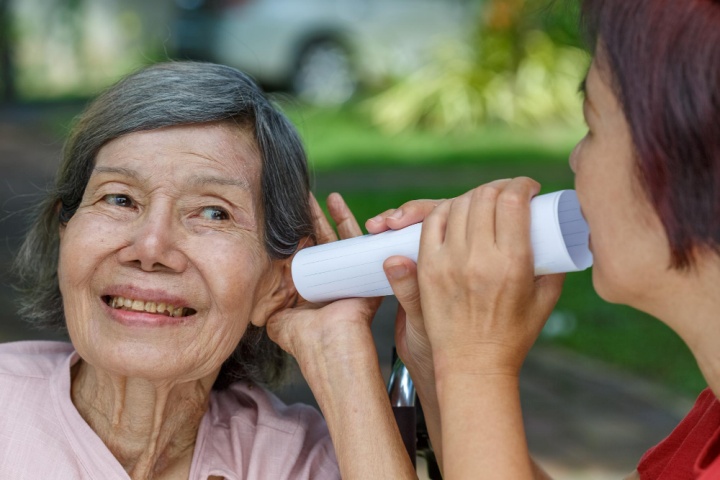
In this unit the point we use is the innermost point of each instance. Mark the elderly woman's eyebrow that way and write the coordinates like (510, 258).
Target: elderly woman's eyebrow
(198, 181)
(119, 170)
(205, 180)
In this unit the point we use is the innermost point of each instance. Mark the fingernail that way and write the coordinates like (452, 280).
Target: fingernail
(397, 214)
(397, 272)
(377, 219)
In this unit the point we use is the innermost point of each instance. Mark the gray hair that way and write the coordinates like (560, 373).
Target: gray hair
(163, 95)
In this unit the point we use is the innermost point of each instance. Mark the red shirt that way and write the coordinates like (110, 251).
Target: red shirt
(692, 450)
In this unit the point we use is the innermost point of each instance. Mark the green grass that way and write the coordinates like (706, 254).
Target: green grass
(342, 138)
(376, 172)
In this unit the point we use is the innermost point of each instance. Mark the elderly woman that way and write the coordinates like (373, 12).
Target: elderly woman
(647, 176)
(163, 251)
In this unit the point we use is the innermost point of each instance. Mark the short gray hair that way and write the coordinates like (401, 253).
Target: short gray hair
(163, 95)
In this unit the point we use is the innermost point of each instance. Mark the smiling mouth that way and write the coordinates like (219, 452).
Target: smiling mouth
(165, 309)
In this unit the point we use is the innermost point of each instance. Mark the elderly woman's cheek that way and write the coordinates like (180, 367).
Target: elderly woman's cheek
(78, 263)
(235, 270)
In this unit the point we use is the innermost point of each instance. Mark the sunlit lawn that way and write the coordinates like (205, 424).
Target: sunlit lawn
(376, 172)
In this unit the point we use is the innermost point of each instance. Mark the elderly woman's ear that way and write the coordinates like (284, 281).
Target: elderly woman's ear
(280, 292)
(59, 213)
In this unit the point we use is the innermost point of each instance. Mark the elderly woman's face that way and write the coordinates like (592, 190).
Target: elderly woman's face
(163, 265)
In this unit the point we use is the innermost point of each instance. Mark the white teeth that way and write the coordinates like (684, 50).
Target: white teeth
(138, 306)
(150, 307)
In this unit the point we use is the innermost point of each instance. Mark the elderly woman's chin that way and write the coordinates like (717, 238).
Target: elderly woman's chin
(153, 346)
(128, 344)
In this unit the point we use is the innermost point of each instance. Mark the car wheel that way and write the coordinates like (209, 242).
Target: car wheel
(324, 74)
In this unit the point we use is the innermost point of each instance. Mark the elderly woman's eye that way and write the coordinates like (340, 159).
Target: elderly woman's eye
(215, 213)
(118, 200)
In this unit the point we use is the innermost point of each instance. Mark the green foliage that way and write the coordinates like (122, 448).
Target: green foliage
(558, 18)
(344, 137)
(72, 49)
(513, 71)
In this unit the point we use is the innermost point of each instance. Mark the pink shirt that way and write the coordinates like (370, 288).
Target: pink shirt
(247, 433)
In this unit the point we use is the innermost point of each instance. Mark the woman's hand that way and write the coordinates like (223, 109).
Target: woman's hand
(482, 305)
(411, 339)
(334, 347)
(332, 331)
(480, 244)
(483, 309)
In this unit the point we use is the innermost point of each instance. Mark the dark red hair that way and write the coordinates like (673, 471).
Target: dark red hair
(663, 57)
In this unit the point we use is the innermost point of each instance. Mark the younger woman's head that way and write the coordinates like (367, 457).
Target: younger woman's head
(662, 61)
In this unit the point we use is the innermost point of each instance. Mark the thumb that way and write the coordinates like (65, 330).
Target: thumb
(401, 272)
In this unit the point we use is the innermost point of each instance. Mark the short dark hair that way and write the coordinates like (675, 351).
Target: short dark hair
(663, 57)
(168, 94)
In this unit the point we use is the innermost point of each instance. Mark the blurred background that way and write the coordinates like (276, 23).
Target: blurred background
(395, 100)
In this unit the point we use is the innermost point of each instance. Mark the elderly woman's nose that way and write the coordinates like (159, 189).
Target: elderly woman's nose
(155, 244)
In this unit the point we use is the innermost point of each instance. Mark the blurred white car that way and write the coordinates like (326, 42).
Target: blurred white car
(318, 49)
